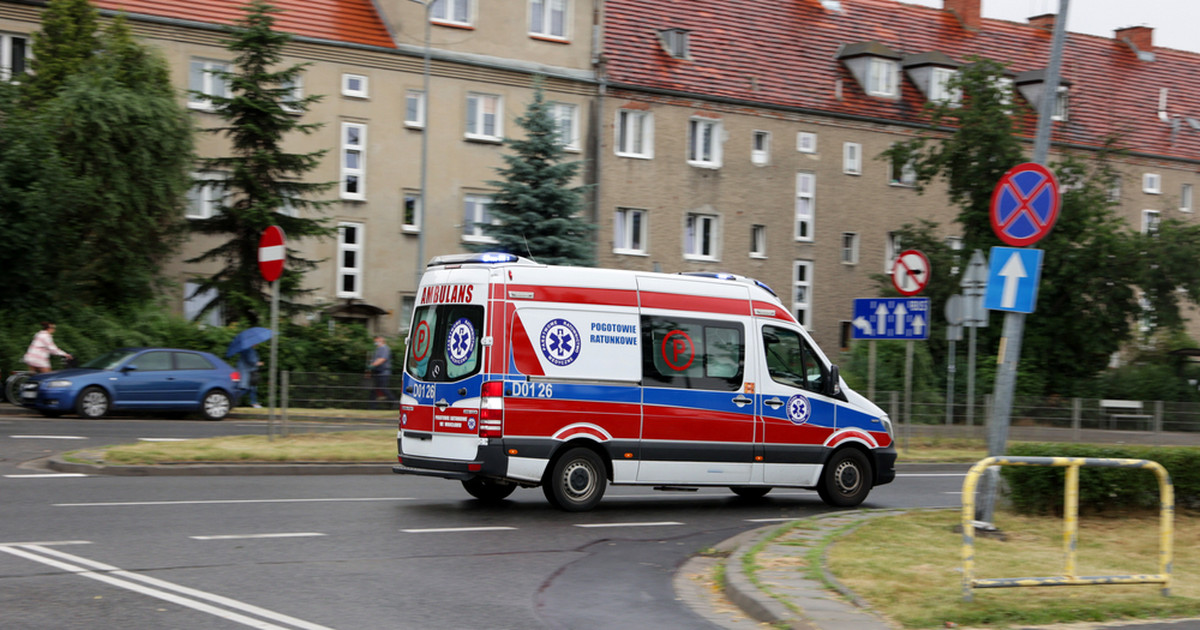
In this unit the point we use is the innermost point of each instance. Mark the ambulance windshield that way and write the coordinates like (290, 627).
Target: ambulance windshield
(444, 343)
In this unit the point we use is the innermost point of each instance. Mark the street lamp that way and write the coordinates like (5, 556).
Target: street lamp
(421, 227)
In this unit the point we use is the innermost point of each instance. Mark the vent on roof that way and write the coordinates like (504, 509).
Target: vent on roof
(1140, 40)
(675, 42)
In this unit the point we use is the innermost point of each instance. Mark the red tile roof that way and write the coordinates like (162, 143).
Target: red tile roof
(349, 21)
(784, 53)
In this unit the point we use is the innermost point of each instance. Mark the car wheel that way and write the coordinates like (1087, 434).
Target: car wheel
(846, 479)
(216, 405)
(93, 403)
(577, 481)
(488, 490)
(751, 492)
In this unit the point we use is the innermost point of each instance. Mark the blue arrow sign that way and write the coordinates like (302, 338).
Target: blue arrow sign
(1013, 276)
(891, 318)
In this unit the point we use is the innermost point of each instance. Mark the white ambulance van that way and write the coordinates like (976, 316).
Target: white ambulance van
(568, 378)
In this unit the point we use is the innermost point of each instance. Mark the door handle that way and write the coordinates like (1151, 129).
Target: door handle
(773, 403)
(441, 404)
(742, 401)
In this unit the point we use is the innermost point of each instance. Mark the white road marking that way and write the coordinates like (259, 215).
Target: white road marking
(242, 536)
(772, 520)
(961, 474)
(227, 501)
(444, 530)
(47, 437)
(44, 475)
(162, 439)
(657, 524)
(47, 543)
(115, 576)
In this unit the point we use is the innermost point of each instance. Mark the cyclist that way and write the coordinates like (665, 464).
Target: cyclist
(37, 357)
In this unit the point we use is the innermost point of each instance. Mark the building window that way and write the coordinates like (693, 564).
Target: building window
(704, 144)
(350, 260)
(802, 292)
(1004, 88)
(955, 243)
(483, 117)
(760, 148)
(412, 211)
(194, 303)
(1150, 221)
(548, 18)
(566, 120)
(1185, 198)
(414, 109)
(700, 237)
(204, 81)
(451, 12)
(14, 50)
(849, 248)
(939, 88)
(758, 241)
(852, 158)
(806, 184)
(881, 77)
(354, 161)
(476, 214)
(903, 173)
(354, 85)
(1114, 189)
(291, 102)
(1061, 103)
(806, 142)
(635, 133)
(891, 250)
(1152, 183)
(205, 195)
(675, 41)
(629, 231)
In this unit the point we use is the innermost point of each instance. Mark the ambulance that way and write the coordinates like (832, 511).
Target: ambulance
(518, 374)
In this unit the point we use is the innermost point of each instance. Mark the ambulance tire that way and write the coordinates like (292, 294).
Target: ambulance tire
(751, 492)
(577, 481)
(846, 479)
(488, 490)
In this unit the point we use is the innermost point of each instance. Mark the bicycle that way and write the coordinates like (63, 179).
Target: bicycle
(12, 385)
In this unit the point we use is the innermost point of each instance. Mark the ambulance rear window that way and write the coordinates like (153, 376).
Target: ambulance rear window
(693, 353)
(444, 344)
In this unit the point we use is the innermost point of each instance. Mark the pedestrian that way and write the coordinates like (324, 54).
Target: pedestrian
(37, 357)
(247, 365)
(381, 372)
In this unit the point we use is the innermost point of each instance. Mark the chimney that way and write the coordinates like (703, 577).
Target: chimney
(1140, 38)
(967, 12)
(1044, 21)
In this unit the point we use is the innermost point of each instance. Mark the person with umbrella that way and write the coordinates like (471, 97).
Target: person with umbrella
(248, 361)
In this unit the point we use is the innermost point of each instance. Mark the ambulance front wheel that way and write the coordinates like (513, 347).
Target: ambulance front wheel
(577, 481)
(846, 479)
(488, 490)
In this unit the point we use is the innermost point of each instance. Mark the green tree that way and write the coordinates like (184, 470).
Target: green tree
(263, 178)
(67, 40)
(537, 211)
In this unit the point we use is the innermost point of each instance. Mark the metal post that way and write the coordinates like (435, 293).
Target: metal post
(871, 370)
(421, 214)
(274, 362)
(971, 378)
(908, 363)
(950, 386)
(283, 403)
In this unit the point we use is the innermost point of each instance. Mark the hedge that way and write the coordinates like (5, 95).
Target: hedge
(1039, 490)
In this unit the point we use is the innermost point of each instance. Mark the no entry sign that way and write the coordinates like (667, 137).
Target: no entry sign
(1025, 204)
(910, 272)
(271, 253)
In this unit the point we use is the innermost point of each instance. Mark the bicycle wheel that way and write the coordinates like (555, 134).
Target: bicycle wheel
(12, 387)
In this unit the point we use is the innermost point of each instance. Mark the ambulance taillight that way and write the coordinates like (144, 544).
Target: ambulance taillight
(491, 410)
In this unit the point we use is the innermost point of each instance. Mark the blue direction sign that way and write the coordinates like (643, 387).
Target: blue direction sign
(1025, 204)
(1013, 275)
(891, 318)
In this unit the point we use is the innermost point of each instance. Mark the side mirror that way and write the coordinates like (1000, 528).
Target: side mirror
(833, 387)
(129, 368)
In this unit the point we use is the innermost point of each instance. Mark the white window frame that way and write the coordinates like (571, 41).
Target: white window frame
(881, 77)
(704, 142)
(355, 271)
(1150, 221)
(760, 148)
(939, 92)
(204, 197)
(414, 100)
(1005, 86)
(457, 12)
(701, 231)
(802, 284)
(806, 206)
(205, 82)
(355, 85)
(806, 142)
(891, 249)
(566, 121)
(7, 54)
(542, 18)
(852, 158)
(1185, 198)
(475, 211)
(1114, 190)
(850, 248)
(1062, 104)
(630, 230)
(1152, 183)
(478, 117)
(414, 198)
(295, 89)
(758, 241)
(193, 304)
(907, 177)
(359, 172)
(634, 126)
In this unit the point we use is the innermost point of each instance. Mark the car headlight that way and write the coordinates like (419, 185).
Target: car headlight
(58, 383)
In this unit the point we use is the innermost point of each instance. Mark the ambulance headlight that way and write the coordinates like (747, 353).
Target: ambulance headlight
(887, 424)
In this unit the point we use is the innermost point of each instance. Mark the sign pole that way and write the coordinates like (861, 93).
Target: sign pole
(274, 356)
(272, 256)
(871, 370)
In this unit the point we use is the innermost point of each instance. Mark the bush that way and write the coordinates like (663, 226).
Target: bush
(1040, 490)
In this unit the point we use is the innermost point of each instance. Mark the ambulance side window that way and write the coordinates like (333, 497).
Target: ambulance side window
(693, 353)
(791, 361)
(444, 342)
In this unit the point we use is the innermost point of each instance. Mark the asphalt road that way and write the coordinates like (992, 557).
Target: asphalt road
(350, 551)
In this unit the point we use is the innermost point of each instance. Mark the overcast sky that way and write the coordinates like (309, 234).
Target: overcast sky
(1176, 23)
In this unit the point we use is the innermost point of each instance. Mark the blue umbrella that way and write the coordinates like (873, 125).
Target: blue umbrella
(248, 339)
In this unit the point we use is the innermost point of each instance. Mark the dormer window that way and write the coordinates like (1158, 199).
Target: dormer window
(875, 66)
(932, 73)
(1032, 85)
(675, 42)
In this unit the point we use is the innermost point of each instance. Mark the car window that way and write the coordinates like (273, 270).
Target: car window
(791, 361)
(108, 360)
(155, 361)
(190, 361)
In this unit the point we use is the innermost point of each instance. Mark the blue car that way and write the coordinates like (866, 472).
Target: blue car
(137, 379)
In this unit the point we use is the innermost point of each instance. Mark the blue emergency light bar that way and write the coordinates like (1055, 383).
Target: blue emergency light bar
(485, 258)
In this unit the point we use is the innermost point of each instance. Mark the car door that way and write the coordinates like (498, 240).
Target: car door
(192, 372)
(145, 380)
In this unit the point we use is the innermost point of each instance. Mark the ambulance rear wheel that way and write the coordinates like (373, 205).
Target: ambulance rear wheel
(488, 490)
(846, 479)
(577, 481)
(751, 492)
